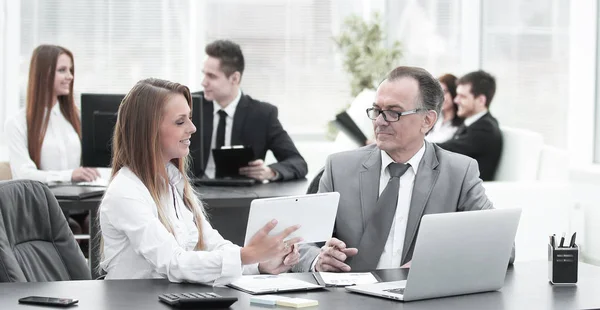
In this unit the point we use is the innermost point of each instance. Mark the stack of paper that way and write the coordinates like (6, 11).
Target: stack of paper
(297, 302)
(271, 300)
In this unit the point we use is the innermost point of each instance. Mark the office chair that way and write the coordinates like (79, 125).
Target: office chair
(36, 244)
(313, 187)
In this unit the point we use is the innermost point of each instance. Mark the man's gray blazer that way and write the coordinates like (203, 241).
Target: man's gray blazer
(445, 182)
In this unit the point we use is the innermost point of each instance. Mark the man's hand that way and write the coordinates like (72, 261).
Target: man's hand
(84, 174)
(282, 263)
(333, 255)
(256, 169)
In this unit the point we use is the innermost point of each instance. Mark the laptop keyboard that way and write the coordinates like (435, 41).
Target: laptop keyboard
(399, 290)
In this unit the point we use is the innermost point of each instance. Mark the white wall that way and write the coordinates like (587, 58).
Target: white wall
(586, 195)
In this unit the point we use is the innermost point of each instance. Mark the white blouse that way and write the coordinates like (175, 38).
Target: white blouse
(60, 154)
(138, 246)
(442, 131)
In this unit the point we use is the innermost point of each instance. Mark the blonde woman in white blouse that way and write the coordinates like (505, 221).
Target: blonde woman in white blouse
(44, 138)
(152, 224)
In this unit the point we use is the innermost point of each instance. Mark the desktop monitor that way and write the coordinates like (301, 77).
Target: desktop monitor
(196, 150)
(98, 119)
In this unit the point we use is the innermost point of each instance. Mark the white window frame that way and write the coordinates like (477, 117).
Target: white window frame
(583, 83)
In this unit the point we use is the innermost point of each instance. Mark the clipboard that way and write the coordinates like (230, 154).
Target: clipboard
(229, 160)
(347, 125)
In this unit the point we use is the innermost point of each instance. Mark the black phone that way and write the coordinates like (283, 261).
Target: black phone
(48, 301)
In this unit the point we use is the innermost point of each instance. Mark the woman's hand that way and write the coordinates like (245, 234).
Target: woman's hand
(263, 247)
(282, 263)
(84, 174)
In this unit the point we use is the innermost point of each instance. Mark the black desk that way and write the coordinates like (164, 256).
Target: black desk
(526, 287)
(227, 209)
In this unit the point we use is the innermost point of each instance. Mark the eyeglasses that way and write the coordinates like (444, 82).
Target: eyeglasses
(389, 115)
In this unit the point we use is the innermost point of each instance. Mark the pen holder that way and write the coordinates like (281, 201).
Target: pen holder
(562, 264)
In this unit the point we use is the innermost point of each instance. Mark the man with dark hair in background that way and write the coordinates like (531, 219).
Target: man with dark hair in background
(479, 137)
(231, 117)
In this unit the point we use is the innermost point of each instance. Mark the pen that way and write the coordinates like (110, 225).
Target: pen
(562, 241)
(552, 243)
(572, 243)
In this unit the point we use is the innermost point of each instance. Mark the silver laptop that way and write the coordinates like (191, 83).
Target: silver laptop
(455, 253)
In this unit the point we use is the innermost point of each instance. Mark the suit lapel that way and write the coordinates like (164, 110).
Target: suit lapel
(239, 118)
(425, 179)
(207, 129)
(369, 184)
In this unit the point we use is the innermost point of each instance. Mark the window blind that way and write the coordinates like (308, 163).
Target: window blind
(525, 45)
(290, 57)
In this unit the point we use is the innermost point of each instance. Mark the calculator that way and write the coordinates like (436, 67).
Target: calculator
(197, 300)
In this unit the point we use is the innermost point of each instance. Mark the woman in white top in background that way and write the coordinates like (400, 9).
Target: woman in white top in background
(448, 122)
(44, 138)
(152, 224)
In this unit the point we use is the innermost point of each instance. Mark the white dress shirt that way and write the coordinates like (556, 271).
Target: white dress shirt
(442, 131)
(60, 154)
(473, 118)
(230, 110)
(138, 246)
(391, 257)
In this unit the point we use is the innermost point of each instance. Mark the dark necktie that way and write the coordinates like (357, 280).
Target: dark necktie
(221, 129)
(461, 130)
(379, 224)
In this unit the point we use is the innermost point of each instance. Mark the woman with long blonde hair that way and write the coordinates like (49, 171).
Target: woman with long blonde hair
(153, 225)
(44, 138)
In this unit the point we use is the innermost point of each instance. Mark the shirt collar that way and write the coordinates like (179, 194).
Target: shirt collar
(413, 161)
(230, 109)
(175, 176)
(473, 118)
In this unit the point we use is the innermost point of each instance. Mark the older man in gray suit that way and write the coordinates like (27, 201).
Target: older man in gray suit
(386, 188)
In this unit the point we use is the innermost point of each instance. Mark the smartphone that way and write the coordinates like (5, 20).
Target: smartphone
(48, 301)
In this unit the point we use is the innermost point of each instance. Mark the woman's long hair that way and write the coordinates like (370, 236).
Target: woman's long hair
(40, 90)
(136, 145)
(450, 81)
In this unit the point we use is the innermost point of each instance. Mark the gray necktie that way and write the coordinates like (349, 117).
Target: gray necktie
(379, 224)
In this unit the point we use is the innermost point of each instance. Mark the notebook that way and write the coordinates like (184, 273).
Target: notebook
(266, 284)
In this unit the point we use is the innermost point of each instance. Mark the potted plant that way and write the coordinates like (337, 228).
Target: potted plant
(367, 57)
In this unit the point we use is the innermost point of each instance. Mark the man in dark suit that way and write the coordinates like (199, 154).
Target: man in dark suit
(387, 187)
(233, 118)
(479, 137)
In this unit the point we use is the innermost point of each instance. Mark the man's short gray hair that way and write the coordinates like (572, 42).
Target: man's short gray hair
(431, 95)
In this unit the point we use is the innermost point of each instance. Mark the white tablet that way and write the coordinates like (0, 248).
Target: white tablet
(315, 213)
